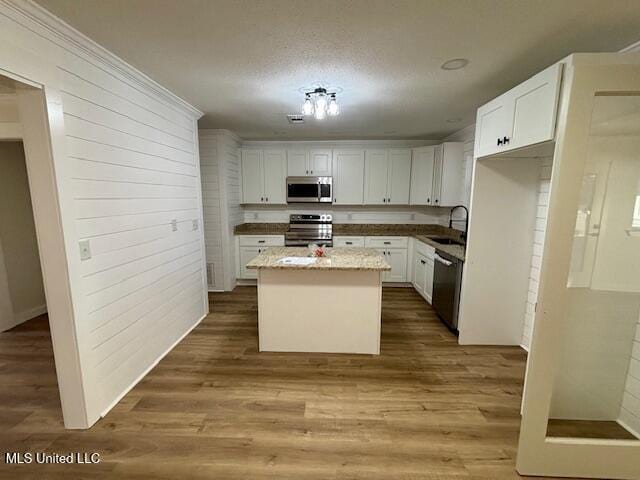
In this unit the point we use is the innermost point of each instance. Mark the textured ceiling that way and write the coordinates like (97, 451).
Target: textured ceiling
(244, 62)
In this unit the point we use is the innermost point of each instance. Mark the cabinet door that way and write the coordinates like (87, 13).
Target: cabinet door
(376, 175)
(275, 176)
(246, 255)
(419, 272)
(348, 177)
(534, 108)
(422, 164)
(320, 163)
(297, 163)
(437, 174)
(397, 258)
(399, 176)
(428, 279)
(452, 174)
(252, 178)
(493, 122)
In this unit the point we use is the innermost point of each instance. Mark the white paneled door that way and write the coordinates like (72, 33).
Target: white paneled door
(275, 172)
(320, 162)
(348, 177)
(422, 176)
(399, 176)
(252, 176)
(376, 171)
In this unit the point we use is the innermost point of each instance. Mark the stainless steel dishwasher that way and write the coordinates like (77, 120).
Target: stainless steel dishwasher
(447, 278)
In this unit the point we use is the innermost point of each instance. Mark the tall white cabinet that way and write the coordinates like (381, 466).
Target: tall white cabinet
(436, 175)
(264, 176)
(348, 177)
(387, 175)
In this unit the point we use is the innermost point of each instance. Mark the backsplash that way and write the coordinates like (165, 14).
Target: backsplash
(343, 214)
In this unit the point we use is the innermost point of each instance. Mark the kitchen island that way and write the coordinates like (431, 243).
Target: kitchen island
(330, 304)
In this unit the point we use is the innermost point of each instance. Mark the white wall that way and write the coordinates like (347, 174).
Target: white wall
(18, 243)
(536, 254)
(220, 164)
(630, 409)
(126, 164)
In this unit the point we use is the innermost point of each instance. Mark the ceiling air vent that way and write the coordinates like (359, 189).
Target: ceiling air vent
(295, 119)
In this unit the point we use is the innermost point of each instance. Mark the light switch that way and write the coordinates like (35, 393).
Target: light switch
(195, 224)
(174, 225)
(85, 250)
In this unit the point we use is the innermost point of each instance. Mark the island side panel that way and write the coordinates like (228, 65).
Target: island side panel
(319, 311)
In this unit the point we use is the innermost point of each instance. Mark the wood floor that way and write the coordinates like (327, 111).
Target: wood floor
(217, 408)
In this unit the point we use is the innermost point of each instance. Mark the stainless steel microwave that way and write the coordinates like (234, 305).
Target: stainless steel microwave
(309, 189)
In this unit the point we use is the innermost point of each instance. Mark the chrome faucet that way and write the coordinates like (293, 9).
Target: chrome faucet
(466, 220)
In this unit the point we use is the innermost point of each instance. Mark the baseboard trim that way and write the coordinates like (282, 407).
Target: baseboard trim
(31, 313)
(146, 372)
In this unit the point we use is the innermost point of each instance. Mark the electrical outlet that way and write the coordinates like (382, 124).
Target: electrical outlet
(174, 225)
(85, 250)
(194, 225)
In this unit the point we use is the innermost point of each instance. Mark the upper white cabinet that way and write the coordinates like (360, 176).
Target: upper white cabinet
(304, 162)
(387, 176)
(436, 175)
(263, 176)
(348, 177)
(422, 167)
(525, 115)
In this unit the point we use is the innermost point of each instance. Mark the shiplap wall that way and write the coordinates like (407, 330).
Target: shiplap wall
(126, 168)
(538, 245)
(630, 410)
(220, 164)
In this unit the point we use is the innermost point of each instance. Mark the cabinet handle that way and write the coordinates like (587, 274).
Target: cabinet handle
(423, 262)
(349, 243)
(436, 200)
(266, 199)
(262, 199)
(334, 199)
(428, 200)
(499, 141)
(388, 200)
(259, 251)
(307, 172)
(387, 243)
(311, 172)
(384, 200)
(261, 241)
(505, 140)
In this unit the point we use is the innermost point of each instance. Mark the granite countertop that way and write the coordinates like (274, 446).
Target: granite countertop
(359, 259)
(457, 251)
(421, 232)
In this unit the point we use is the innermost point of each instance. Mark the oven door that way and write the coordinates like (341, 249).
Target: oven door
(303, 190)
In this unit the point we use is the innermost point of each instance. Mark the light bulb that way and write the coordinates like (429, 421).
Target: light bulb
(321, 104)
(320, 113)
(333, 108)
(307, 107)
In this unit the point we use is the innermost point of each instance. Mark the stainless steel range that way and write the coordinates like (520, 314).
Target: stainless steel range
(306, 229)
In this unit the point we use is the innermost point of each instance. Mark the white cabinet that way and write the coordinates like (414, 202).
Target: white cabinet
(263, 176)
(307, 163)
(250, 246)
(422, 166)
(347, 241)
(397, 258)
(297, 163)
(348, 177)
(437, 175)
(523, 116)
(320, 162)
(395, 252)
(387, 176)
(423, 269)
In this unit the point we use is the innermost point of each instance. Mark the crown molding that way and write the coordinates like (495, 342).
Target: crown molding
(65, 36)
(212, 132)
(634, 47)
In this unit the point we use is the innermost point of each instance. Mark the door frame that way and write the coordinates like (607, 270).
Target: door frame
(537, 453)
(42, 125)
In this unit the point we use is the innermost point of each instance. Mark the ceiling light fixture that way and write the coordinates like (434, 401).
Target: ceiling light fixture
(455, 64)
(319, 103)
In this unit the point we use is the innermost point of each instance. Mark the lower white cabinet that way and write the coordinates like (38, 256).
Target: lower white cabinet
(395, 251)
(249, 247)
(423, 269)
(348, 241)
